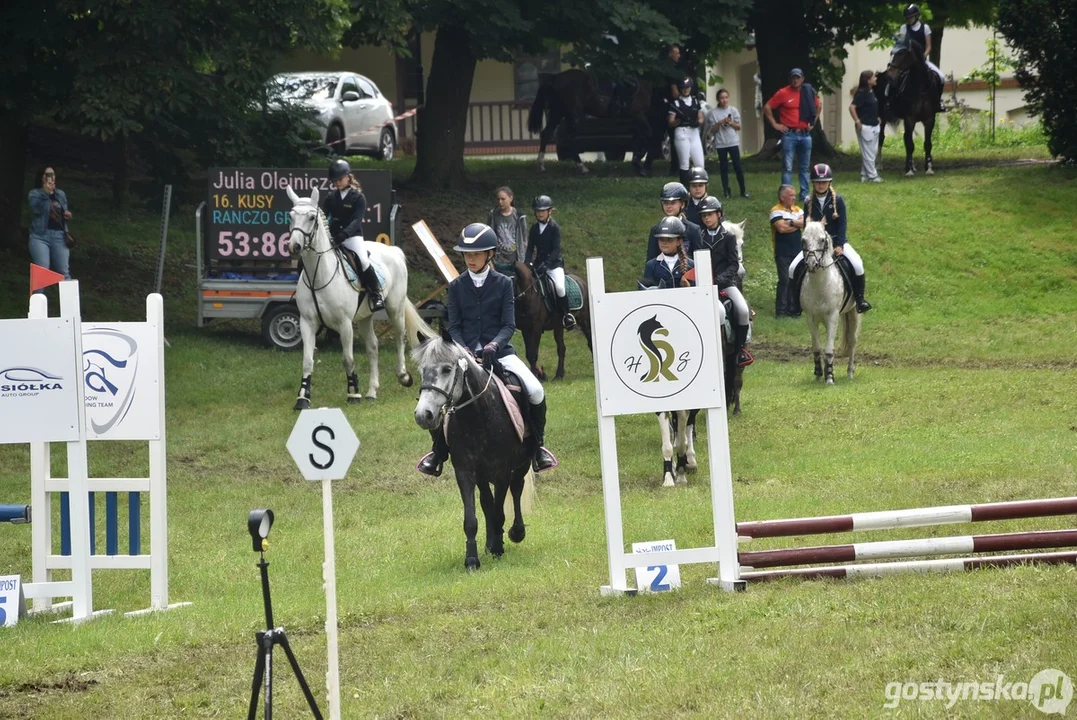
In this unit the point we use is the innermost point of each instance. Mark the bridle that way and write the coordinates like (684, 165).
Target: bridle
(308, 237)
(820, 255)
(459, 374)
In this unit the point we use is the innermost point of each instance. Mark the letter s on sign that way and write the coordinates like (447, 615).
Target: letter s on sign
(319, 444)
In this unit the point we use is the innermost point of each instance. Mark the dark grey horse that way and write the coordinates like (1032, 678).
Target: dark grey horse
(459, 398)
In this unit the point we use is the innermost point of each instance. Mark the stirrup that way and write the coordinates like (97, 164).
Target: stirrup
(376, 301)
(862, 305)
(744, 358)
(568, 320)
(548, 461)
(429, 465)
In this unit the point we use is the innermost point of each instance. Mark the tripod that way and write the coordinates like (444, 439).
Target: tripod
(263, 666)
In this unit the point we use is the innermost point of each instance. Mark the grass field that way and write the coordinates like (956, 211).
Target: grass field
(967, 392)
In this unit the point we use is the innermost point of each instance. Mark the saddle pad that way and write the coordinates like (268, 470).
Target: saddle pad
(512, 407)
(572, 292)
(349, 271)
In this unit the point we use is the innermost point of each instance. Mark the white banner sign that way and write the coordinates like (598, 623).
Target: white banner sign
(38, 381)
(119, 364)
(657, 350)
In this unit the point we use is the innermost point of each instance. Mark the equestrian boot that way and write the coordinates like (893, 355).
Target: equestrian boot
(567, 319)
(433, 461)
(373, 288)
(544, 459)
(727, 193)
(794, 290)
(740, 339)
(862, 305)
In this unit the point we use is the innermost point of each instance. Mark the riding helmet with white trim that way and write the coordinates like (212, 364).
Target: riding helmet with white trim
(476, 237)
(912, 10)
(685, 82)
(670, 227)
(698, 175)
(709, 204)
(542, 202)
(339, 169)
(821, 172)
(674, 191)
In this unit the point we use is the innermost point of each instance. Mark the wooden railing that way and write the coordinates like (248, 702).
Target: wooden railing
(497, 126)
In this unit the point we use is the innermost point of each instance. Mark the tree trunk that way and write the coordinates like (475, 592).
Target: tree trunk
(937, 29)
(13, 136)
(121, 173)
(443, 121)
(780, 46)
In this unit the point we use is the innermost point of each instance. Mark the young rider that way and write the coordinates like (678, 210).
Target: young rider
(913, 29)
(669, 268)
(345, 208)
(674, 198)
(544, 254)
(697, 190)
(828, 207)
(482, 318)
(725, 264)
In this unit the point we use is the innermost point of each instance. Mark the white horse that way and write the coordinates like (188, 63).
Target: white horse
(325, 296)
(824, 299)
(678, 435)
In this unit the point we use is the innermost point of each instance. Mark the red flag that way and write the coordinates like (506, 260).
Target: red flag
(42, 277)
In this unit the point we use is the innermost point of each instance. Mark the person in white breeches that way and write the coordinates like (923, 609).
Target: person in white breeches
(544, 254)
(725, 265)
(686, 117)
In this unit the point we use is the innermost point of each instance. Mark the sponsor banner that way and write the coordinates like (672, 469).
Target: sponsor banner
(38, 381)
(657, 351)
(119, 366)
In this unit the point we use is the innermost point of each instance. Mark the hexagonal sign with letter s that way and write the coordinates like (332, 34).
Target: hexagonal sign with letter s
(323, 444)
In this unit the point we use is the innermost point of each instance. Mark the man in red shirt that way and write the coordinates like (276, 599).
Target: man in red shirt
(798, 109)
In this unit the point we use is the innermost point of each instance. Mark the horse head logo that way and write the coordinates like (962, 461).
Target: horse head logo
(659, 352)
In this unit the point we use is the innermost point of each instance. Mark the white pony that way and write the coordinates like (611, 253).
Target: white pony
(824, 299)
(325, 296)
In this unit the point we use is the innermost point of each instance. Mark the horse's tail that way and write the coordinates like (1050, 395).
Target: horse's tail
(538, 107)
(527, 497)
(416, 326)
(850, 333)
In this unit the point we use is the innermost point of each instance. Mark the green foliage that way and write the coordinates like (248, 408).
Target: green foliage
(999, 61)
(1042, 33)
(972, 131)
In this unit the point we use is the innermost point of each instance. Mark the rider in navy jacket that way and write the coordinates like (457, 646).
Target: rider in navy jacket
(668, 270)
(674, 198)
(345, 205)
(482, 318)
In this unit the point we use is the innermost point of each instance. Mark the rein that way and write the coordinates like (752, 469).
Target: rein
(308, 236)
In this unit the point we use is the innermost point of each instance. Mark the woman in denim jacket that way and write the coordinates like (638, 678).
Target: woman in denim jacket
(49, 214)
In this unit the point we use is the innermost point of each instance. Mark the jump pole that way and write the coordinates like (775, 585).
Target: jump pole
(921, 566)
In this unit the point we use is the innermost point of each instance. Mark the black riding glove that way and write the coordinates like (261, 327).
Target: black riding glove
(489, 356)
(340, 237)
(539, 269)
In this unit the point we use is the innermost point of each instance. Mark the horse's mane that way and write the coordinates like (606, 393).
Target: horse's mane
(437, 351)
(323, 221)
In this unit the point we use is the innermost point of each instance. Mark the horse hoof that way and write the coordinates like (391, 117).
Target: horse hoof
(929, 171)
(517, 533)
(668, 480)
(582, 169)
(371, 398)
(692, 466)
(540, 167)
(539, 372)
(405, 379)
(559, 376)
(682, 478)
(355, 399)
(496, 551)
(736, 411)
(830, 381)
(471, 564)
(302, 404)
(910, 173)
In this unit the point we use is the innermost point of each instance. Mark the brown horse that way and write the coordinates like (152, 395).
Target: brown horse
(533, 318)
(911, 92)
(570, 95)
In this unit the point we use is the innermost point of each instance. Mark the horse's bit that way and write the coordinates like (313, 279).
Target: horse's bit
(459, 372)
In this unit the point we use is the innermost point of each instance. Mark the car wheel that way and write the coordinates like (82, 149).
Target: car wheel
(386, 145)
(334, 138)
(280, 327)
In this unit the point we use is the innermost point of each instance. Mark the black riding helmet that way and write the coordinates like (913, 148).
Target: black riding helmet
(698, 175)
(710, 204)
(674, 191)
(339, 169)
(476, 237)
(670, 227)
(821, 172)
(911, 11)
(542, 202)
(684, 82)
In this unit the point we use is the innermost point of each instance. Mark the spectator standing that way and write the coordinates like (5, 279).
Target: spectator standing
(510, 225)
(686, 118)
(798, 109)
(865, 112)
(723, 122)
(49, 213)
(786, 224)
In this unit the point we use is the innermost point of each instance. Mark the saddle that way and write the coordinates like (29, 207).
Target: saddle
(611, 99)
(549, 294)
(511, 391)
(727, 324)
(352, 268)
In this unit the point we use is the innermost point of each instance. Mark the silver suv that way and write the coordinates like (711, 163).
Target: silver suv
(347, 110)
